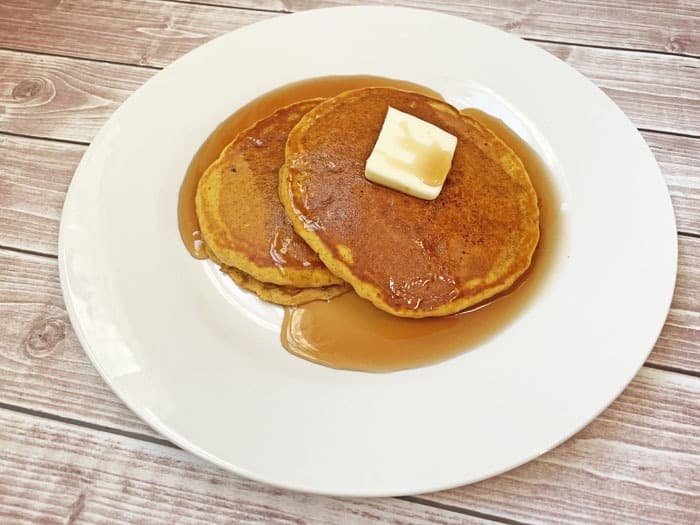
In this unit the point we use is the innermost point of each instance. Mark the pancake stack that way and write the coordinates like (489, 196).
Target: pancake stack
(244, 226)
(288, 213)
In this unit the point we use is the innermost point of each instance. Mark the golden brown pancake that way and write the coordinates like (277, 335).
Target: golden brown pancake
(242, 221)
(276, 293)
(410, 257)
(284, 295)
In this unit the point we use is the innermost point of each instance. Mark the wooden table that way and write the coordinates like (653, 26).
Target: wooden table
(71, 452)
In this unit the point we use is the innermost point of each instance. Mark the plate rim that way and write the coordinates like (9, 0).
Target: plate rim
(153, 421)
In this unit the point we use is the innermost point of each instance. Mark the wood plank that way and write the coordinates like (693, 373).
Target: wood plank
(636, 463)
(671, 26)
(679, 160)
(51, 472)
(34, 178)
(144, 32)
(678, 345)
(658, 92)
(65, 98)
(636, 81)
(43, 367)
(62, 98)
(32, 190)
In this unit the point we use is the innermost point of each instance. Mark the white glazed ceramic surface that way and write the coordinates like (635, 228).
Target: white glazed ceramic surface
(200, 360)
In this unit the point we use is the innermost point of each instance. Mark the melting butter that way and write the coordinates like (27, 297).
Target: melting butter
(411, 155)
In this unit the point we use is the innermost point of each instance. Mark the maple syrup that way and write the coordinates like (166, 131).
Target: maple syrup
(349, 332)
(248, 115)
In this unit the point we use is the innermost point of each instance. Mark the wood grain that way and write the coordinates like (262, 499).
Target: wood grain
(70, 99)
(43, 367)
(637, 463)
(71, 452)
(678, 345)
(659, 92)
(671, 26)
(638, 81)
(143, 32)
(34, 178)
(53, 473)
(679, 159)
(62, 98)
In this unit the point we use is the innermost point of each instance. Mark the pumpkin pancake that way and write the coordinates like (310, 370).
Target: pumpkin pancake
(284, 295)
(276, 293)
(242, 221)
(410, 257)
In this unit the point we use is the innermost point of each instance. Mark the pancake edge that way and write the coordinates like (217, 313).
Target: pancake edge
(370, 292)
(284, 295)
(311, 278)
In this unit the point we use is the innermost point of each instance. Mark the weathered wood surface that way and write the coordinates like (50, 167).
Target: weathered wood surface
(34, 178)
(678, 345)
(638, 81)
(672, 26)
(62, 98)
(71, 452)
(79, 475)
(144, 32)
(42, 365)
(679, 159)
(636, 463)
(658, 92)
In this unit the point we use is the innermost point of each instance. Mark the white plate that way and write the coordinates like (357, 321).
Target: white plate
(201, 362)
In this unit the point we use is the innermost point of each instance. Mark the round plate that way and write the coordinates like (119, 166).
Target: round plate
(201, 361)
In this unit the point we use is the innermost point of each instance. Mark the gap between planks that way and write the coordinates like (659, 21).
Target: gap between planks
(640, 87)
(452, 508)
(674, 369)
(79, 58)
(28, 252)
(166, 443)
(288, 7)
(86, 424)
(42, 414)
(670, 133)
(236, 7)
(42, 137)
(577, 457)
(528, 38)
(531, 486)
(158, 68)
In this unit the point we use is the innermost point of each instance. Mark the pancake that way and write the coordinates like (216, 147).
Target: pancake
(241, 219)
(284, 295)
(276, 293)
(410, 257)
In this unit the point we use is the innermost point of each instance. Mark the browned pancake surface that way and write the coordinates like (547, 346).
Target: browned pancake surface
(410, 257)
(242, 221)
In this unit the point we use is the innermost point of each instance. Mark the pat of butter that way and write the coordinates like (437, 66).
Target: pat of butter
(411, 155)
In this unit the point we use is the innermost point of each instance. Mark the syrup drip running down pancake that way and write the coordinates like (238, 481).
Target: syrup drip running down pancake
(243, 223)
(410, 257)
